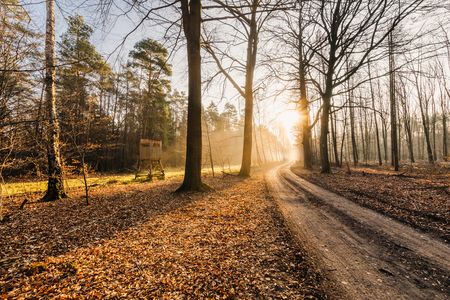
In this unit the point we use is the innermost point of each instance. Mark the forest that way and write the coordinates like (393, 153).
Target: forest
(294, 137)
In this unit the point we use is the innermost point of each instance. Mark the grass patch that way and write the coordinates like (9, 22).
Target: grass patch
(31, 187)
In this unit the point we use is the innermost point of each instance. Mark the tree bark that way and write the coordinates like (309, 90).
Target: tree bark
(324, 121)
(334, 139)
(444, 133)
(304, 104)
(363, 136)
(258, 156)
(423, 105)
(191, 15)
(344, 132)
(211, 161)
(407, 126)
(394, 136)
(55, 185)
(353, 132)
(426, 130)
(377, 134)
(252, 46)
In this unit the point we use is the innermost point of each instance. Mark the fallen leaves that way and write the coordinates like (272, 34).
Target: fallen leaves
(143, 241)
(419, 196)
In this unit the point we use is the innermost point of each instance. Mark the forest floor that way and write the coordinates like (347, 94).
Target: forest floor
(418, 195)
(141, 240)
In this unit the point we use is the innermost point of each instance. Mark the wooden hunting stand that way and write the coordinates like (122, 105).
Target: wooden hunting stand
(149, 163)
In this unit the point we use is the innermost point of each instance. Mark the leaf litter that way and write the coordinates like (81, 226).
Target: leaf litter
(418, 195)
(144, 241)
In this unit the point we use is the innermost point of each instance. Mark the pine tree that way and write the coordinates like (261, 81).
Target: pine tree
(150, 57)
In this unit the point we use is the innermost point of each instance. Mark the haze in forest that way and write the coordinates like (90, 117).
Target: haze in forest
(229, 149)
(373, 91)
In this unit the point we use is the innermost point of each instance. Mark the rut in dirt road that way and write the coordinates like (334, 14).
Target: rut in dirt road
(370, 256)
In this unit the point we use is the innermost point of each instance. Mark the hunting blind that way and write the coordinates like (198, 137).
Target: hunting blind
(149, 163)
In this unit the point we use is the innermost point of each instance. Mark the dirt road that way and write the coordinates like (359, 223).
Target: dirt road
(370, 256)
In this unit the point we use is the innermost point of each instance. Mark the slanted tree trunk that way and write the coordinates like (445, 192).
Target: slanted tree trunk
(55, 185)
(191, 15)
(426, 130)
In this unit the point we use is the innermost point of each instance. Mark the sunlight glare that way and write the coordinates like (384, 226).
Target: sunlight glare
(290, 119)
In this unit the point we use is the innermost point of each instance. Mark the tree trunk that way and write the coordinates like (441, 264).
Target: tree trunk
(304, 104)
(125, 129)
(353, 133)
(377, 134)
(247, 147)
(407, 126)
(252, 46)
(399, 124)
(258, 156)
(394, 136)
(261, 141)
(433, 131)
(444, 135)
(426, 131)
(211, 161)
(324, 121)
(344, 132)
(55, 186)
(423, 105)
(409, 139)
(363, 137)
(334, 139)
(367, 136)
(191, 12)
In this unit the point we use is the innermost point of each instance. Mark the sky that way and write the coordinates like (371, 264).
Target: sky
(275, 112)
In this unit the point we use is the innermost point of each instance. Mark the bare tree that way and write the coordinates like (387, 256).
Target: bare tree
(377, 134)
(424, 102)
(55, 186)
(348, 31)
(393, 106)
(251, 15)
(191, 16)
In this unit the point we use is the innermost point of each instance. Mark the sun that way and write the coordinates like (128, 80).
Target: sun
(290, 119)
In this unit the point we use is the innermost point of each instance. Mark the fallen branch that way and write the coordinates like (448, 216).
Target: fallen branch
(23, 203)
